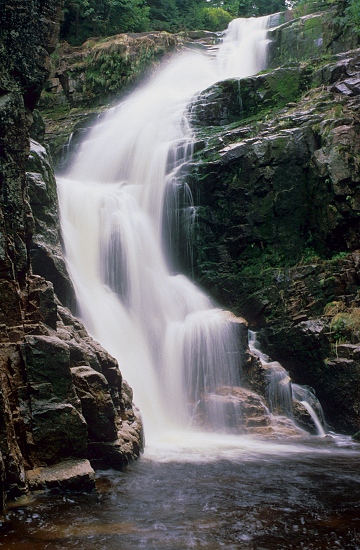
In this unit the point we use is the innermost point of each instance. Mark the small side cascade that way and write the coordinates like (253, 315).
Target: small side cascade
(307, 398)
(278, 382)
(283, 396)
(66, 151)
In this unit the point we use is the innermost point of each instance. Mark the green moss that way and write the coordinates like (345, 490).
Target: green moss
(287, 88)
(345, 325)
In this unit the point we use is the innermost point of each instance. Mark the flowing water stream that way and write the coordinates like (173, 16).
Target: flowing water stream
(191, 489)
(173, 344)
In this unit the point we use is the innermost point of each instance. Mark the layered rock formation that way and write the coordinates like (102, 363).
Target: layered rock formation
(62, 399)
(276, 178)
(84, 79)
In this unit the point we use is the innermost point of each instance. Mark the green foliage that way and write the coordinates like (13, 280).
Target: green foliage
(191, 13)
(164, 15)
(216, 19)
(111, 67)
(85, 18)
(345, 325)
(309, 256)
(249, 8)
(352, 15)
(231, 6)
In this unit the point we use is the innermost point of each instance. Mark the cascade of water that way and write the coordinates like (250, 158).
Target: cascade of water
(307, 398)
(172, 343)
(278, 387)
(244, 47)
(281, 391)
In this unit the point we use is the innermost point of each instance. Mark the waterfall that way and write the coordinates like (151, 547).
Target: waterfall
(174, 346)
(244, 49)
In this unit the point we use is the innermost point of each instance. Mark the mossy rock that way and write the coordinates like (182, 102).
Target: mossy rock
(232, 100)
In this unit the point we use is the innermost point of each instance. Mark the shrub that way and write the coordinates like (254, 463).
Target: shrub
(216, 19)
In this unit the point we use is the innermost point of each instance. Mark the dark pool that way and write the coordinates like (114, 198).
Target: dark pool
(306, 498)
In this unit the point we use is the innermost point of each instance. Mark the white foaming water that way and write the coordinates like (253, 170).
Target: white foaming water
(173, 345)
(244, 48)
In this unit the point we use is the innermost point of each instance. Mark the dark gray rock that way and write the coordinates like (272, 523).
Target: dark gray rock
(59, 431)
(97, 406)
(2, 484)
(232, 100)
(47, 360)
(41, 420)
(126, 448)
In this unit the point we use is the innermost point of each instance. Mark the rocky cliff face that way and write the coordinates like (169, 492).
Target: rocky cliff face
(62, 398)
(84, 79)
(276, 178)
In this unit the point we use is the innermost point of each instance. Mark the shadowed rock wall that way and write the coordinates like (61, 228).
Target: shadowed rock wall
(62, 398)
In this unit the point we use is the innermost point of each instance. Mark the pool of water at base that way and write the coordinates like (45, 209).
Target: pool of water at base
(289, 497)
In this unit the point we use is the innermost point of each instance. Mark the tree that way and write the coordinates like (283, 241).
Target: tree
(127, 16)
(256, 8)
(250, 8)
(164, 15)
(191, 16)
(216, 19)
(352, 15)
(84, 18)
(230, 6)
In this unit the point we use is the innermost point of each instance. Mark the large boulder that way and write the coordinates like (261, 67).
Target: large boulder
(59, 430)
(96, 403)
(231, 100)
(47, 364)
(310, 36)
(243, 411)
